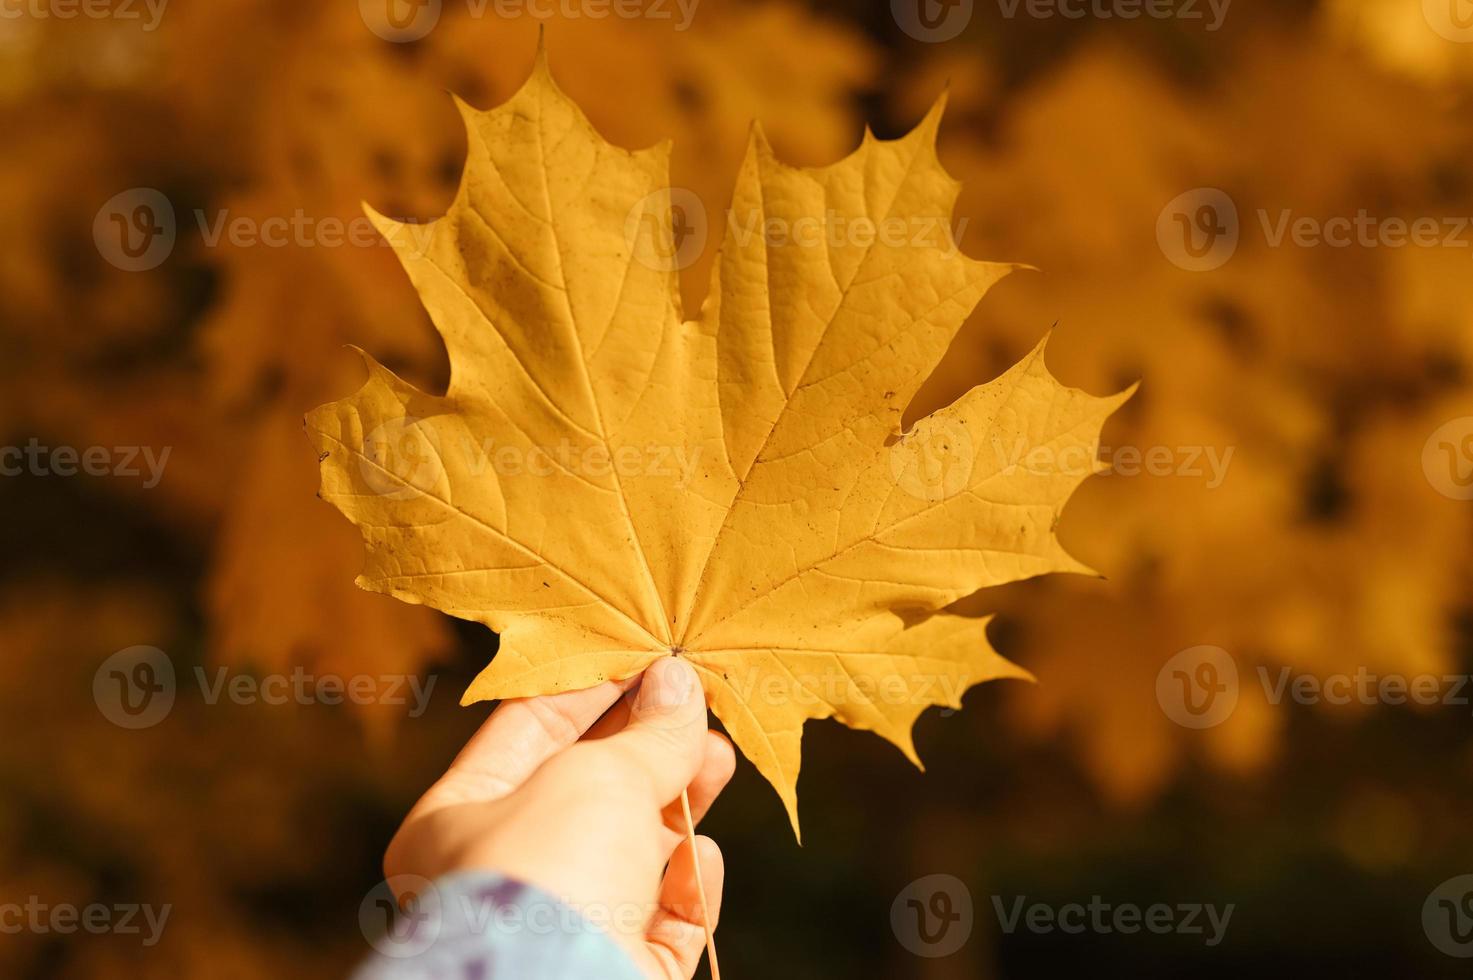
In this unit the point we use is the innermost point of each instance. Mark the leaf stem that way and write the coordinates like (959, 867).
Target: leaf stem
(695, 857)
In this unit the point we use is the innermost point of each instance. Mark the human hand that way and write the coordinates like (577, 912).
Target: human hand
(579, 794)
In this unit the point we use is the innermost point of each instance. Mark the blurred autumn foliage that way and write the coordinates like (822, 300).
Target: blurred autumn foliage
(1318, 374)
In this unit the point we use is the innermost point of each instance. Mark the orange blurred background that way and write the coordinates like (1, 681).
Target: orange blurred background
(1260, 211)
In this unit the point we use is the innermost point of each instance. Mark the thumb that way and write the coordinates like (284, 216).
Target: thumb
(665, 740)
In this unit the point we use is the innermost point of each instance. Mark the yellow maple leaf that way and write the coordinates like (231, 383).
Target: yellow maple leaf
(605, 483)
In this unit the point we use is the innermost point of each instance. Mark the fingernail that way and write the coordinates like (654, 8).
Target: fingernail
(667, 684)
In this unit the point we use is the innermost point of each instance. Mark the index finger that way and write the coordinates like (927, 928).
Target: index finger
(518, 737)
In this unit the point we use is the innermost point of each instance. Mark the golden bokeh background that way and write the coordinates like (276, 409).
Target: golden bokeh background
(1307, 507)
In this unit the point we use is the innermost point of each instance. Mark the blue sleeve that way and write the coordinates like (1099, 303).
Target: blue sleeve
(484, 926)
